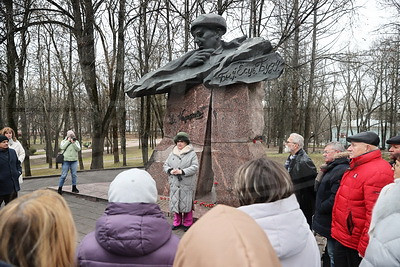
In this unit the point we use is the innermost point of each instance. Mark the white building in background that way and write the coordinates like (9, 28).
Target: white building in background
(374, 126)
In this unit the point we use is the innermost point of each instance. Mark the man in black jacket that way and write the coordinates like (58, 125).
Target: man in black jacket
(328, 181)
(10, 170)
(303, 172)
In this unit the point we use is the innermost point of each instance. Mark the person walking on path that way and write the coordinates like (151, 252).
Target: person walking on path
(303, 172)
(133, 230)
(265, 192)
(14, 144)
(358, 191)
(336, 163)
(10, 170)
(71, 147)
(181, 167)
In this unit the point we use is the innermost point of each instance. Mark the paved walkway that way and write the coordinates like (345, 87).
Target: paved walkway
(90, 203)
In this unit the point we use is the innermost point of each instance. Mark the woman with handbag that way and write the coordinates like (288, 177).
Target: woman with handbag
(71, 148)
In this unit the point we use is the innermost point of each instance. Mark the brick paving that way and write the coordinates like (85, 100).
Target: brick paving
(90, 203)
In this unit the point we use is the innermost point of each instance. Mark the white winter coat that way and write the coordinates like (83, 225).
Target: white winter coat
(16, 145)
(182, 191)
(288, 231)
(384, 232)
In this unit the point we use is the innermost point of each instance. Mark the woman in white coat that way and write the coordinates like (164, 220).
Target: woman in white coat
(14, 144)
(384, 232)
(265, 192)
(181, 167)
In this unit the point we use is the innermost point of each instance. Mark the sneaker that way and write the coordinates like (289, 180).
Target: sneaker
(60, 190)
(185, 228)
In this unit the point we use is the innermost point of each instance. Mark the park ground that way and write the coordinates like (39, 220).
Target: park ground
(90, 203)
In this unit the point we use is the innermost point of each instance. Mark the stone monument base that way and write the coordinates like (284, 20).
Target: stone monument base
(225, 125)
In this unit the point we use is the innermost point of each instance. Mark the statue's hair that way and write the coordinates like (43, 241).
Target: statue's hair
(261, 181)
(36, 230)
(298, 139)
(8, 130)
(337, 146)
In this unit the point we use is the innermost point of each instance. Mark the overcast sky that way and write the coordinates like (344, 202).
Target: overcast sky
(370, 18)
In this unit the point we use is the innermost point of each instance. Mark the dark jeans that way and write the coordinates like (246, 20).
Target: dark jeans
(346, 257)
(8, 198)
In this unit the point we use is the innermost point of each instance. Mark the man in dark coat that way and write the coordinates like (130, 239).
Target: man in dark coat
(336, 163)
(303, 172)
(10, 170)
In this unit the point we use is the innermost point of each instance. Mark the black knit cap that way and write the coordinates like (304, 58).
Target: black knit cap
(370, 138)
(394, 140)
(182, 136)
(3, 138)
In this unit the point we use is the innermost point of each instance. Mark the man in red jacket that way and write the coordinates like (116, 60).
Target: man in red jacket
(357, 194)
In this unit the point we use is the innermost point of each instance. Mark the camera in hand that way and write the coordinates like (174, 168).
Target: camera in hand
(73, 139)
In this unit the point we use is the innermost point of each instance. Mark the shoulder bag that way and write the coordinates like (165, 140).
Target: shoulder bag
(60, 156)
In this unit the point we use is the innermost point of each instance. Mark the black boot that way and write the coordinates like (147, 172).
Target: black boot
(74, 189)
(60, 190)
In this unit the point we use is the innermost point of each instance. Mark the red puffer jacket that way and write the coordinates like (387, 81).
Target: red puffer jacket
(357, 194)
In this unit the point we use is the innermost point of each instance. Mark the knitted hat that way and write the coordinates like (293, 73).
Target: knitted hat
(3, 138)
(365, 137)
(209, 20)
(133, 186)
(182, 136)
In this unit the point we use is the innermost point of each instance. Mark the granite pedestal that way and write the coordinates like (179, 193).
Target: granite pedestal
(223, 124)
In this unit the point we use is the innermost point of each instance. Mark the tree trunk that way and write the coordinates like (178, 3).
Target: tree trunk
(11, 94)
(119, 79)
(307, 122)
(296, 70)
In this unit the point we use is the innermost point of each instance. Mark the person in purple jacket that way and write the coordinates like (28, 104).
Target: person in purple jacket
(133, 231)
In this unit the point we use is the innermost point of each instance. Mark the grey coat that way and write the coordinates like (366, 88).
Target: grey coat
(182, 189)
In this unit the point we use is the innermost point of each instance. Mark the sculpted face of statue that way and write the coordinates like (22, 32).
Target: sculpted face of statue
(206, 38)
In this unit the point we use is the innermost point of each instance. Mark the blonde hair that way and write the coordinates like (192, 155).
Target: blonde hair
(262, 180)
(8, 130)
(37, 229)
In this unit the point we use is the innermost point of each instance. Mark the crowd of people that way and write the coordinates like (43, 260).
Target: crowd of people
(352, 202)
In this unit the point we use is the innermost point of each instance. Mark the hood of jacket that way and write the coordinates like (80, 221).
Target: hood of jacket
(184, 150)
(132, 229)
(337, 161)
(364, 158)
(284, 223)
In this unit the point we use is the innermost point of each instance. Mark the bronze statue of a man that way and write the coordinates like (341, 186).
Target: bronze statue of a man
(210, 59)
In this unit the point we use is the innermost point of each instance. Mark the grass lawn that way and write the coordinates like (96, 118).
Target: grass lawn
(39, 167)
(281, 158)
